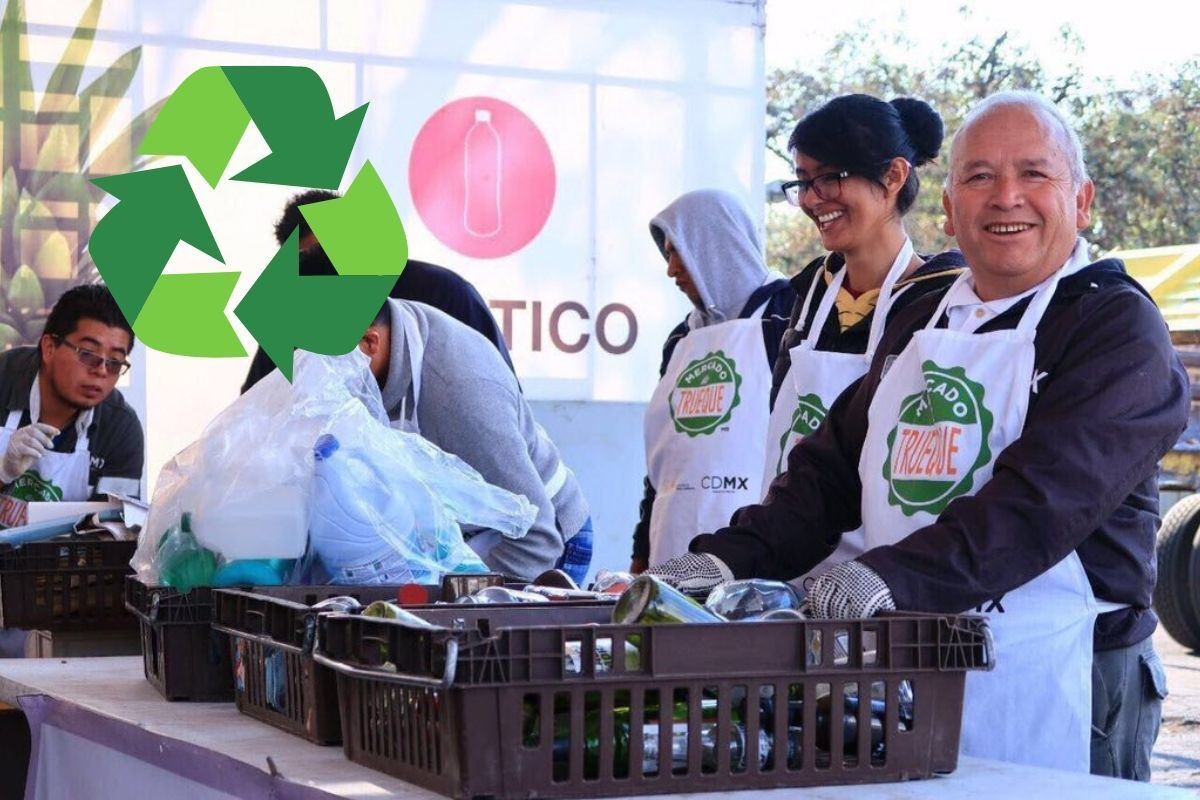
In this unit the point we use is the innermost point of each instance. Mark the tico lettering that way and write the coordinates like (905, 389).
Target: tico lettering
(566, 326)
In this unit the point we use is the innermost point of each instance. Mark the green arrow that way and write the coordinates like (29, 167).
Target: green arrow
(205, 331)
(361, 232)
(291, 109)
(203, 121)
(134, 240)
(322, 313)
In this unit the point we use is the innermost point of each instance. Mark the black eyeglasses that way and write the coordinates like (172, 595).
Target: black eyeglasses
(92, 360)
(827, 186)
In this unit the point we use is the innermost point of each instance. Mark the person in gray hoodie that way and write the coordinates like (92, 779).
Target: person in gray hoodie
(445, 381)
(707, 419)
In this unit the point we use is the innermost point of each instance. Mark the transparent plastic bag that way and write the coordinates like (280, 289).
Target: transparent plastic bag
(259, 454)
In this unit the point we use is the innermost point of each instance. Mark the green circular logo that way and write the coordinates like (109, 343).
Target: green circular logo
(809, 414)
(940, 441)
(31, 487)
(705, 394)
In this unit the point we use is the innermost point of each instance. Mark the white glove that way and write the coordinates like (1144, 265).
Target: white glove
(851, 590)
(693, 572)
(26, 446)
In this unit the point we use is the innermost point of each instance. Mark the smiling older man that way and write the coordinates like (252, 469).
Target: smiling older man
(1001, 455)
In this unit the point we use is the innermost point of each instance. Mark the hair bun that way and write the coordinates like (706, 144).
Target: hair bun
(923, 126)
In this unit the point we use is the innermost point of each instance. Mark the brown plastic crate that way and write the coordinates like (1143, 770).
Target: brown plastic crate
(65, 585)
(271, 631)
(182, 656)
(500, 703)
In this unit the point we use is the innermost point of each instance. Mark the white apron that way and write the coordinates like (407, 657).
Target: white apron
(949, 404)
(705, 429)
(814, 381)
(55, 477)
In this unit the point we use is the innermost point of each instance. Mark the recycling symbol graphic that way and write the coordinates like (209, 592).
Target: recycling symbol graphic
(203, 121)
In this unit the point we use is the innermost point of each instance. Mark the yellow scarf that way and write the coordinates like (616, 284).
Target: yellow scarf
(851, 309)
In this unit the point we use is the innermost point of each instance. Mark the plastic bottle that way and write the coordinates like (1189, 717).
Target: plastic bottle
(344, 529)
(481, 170)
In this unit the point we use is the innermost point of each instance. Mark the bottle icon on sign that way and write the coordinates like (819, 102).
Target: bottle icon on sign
(481, 169)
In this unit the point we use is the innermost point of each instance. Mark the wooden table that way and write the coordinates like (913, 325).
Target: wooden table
(105, 704)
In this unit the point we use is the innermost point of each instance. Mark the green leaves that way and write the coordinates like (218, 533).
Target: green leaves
(1139, 144)
(47, 205)
(25, 290)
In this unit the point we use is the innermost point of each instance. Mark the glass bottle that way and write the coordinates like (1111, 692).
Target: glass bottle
(651, 601)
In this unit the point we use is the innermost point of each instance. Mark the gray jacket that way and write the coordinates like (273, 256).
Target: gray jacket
(470, 405)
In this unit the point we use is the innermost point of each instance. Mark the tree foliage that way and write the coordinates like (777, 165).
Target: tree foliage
(1140, 144)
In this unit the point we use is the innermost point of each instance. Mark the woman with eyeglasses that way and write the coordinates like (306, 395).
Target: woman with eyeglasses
(706, 422)
(856, 161)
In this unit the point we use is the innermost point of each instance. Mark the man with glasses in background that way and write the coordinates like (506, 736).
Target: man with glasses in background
(68, 435)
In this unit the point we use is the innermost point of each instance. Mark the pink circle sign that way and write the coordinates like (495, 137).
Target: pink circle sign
(482, 177)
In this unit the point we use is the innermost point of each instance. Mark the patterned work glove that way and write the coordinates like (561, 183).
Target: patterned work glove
(851, 590)
(692, 572)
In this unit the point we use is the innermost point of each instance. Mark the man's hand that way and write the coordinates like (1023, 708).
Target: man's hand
(26, 446)
(851, 590)
(692, 572)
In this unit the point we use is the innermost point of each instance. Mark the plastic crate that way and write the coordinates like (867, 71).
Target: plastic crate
(528, 702)
(182, 656)
(65, 585)
(272, 630)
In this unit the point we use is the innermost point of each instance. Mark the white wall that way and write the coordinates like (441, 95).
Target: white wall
(602, 444)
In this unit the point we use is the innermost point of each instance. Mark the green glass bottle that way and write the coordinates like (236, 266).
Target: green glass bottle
(651, 601)
(386, 609)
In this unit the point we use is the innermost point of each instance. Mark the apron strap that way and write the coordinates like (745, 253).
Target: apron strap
(557, 480)
(824, 308)
(13, 421)
(83, 420)
(812, 288)
(1107, 606)
(944, 304)
(884, 304)
(414, 346)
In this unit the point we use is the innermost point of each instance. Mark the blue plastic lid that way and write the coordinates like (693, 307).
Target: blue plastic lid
(326, 446)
